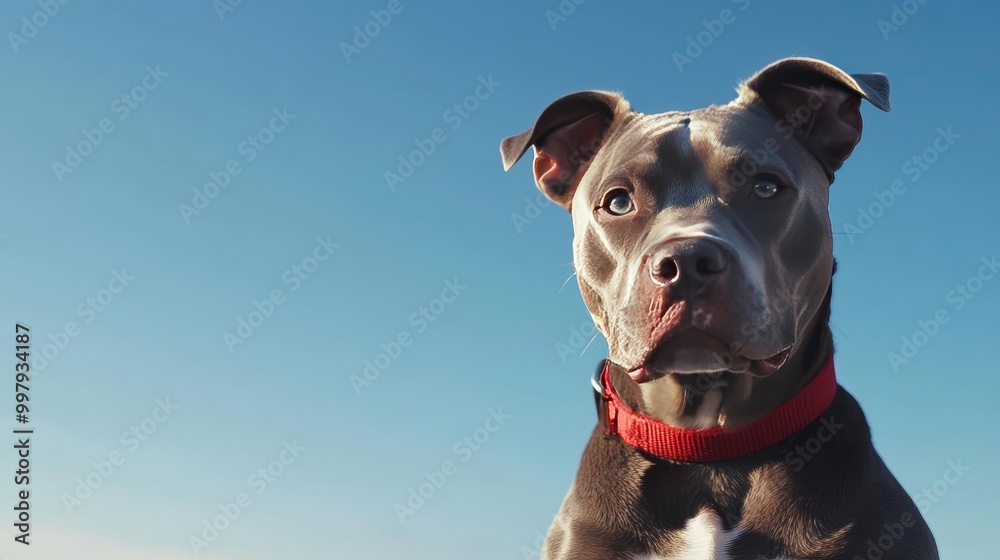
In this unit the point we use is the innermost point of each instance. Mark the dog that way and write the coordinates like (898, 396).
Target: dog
(703, 250)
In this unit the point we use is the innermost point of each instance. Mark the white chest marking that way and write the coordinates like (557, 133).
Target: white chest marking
(702, 538)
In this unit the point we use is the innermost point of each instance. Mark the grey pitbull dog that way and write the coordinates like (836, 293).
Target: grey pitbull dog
(704, 253)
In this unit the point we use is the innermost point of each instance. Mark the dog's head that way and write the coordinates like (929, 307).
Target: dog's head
(702, 238)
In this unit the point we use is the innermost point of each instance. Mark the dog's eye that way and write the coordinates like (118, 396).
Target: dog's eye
(618, 202)
(764, 188)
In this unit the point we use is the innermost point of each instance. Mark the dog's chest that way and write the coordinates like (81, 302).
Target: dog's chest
(702, 538)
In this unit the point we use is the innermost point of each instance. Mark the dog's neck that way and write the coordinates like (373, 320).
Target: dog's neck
(700, 401)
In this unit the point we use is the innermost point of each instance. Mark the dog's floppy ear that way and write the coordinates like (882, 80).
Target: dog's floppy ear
(566, 135)
(818, 103)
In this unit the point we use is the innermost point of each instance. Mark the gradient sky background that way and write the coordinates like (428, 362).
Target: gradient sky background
(495, 346)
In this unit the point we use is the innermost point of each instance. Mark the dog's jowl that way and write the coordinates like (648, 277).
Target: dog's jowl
(703, 250)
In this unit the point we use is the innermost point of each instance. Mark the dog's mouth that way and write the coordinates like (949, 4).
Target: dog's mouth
(697, 352)
(767, 366)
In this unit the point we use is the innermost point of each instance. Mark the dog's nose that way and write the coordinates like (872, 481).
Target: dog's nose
(695, 263)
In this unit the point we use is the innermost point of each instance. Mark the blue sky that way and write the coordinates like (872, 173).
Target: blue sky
(265, 100)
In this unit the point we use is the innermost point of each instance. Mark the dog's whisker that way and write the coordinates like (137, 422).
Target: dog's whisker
(566, 282)
(840, 330)
(588, 344)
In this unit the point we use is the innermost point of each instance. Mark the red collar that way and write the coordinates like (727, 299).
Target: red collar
(714, 444)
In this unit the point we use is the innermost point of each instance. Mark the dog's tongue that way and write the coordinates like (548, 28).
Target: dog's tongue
(641, 375)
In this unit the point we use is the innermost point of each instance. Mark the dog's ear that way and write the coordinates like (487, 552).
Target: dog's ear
(566, 135)
(818, 103)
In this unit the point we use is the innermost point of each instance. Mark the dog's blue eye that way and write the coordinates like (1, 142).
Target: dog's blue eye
(765, 188)
(618, 202)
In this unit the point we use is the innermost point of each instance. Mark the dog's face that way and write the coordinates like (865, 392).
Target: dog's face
(691, 255)
(702, 240)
